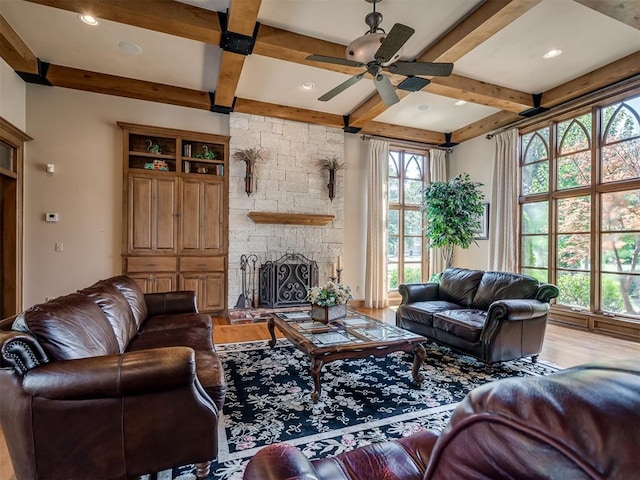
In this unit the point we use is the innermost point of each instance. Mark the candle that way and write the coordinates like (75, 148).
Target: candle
(339, 262)
(333, 269)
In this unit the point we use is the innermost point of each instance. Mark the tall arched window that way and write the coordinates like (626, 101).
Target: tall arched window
(580, 204)
(406, 253)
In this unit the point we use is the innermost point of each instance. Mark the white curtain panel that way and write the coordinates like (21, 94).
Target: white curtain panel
(437, 173)
(375, 288)
(503, 220)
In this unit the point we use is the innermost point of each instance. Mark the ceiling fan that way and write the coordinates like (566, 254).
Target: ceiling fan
(378, 51)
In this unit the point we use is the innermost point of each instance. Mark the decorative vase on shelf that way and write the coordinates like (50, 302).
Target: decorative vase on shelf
(328, 314)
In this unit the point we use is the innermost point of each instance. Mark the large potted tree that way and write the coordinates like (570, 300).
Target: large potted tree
(452, 212)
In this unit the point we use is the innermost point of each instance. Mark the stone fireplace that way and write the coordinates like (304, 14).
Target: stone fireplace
(288, 182)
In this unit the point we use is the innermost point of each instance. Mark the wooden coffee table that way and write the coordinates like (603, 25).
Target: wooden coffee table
(356, 336)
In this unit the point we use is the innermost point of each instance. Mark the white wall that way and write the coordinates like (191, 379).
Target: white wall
(13, 95)
(474, 157)
(77, 132)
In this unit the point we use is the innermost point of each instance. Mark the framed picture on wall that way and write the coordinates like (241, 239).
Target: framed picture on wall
(482, 233)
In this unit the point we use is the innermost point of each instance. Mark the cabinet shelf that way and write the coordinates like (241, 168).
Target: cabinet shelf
(203, 160)
(152, 155)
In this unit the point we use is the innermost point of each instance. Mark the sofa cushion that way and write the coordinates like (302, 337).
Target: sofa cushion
(467, 324)
(116, 308)
(179, 320)
(503, 286)
(422, 312)
(459, 285)
(134, 295)
(69, 327)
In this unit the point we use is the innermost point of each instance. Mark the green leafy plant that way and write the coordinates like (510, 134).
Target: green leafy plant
(452, 211)
(206, 154)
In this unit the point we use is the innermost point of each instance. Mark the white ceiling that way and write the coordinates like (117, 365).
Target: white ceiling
(510, 58)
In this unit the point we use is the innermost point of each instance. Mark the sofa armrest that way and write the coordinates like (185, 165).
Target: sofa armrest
(547, 292)
(518, 309)
(21, 351)
(170, 303)
(280, 460)
(132, 373)
(418, 292)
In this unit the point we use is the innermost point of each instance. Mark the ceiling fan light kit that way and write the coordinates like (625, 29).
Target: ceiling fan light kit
(378, 51)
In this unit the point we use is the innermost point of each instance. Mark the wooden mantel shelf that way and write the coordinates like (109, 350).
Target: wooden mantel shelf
(290, 218)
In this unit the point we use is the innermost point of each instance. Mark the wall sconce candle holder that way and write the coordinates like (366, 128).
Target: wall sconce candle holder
(249, 156)
(332, 164)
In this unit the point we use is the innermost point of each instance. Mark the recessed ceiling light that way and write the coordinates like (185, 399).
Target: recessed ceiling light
(459, 103)
(89, 20)
(130, 48)
(552, 53)
(423, 107)
(308, 85)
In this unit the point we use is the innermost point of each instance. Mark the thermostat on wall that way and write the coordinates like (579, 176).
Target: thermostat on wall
(51, 217)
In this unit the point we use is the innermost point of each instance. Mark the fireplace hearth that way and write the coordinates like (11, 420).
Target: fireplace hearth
(284, 282)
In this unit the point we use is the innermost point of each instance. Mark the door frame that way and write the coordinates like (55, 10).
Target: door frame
(12, 218)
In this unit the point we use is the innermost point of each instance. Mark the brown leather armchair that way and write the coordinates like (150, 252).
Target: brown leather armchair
(581, 423)
(109, 383)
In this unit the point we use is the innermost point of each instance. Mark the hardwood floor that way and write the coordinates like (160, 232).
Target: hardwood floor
(566, 347)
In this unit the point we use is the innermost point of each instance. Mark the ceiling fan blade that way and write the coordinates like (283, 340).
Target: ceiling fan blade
(386, 90)
(421, 68)
(339, 61)
(340, 88)
(393, 42)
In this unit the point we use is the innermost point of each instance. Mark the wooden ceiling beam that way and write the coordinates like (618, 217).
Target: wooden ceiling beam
(243, 15)
(626, 67)
(480, 25)
(403, 133)
(255, 107)
(370, 109)
(164, 16)
(475, 91)
(14, 51)
(95, 82)
(241, 20)
(484, 126)
(625, 11)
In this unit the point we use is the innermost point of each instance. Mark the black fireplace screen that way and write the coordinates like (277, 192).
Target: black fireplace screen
(284, 283)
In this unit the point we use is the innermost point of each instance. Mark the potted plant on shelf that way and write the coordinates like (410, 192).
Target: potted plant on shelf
(332, 164)
(206, 154)
(329, 301)
(452, 211)
(249, 156)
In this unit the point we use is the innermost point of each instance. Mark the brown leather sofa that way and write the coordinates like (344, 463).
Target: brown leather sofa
(494, 316)
(582, 423)
(109, 383)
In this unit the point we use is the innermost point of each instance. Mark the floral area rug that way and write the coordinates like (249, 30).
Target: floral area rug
(363, 400)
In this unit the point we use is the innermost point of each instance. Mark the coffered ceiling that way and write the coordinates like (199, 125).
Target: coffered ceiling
(496, 46)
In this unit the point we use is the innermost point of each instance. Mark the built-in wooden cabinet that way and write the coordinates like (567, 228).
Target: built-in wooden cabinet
(176, 212)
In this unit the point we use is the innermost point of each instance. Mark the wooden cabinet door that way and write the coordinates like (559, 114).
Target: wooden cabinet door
(209, 288)
(155, 282)
(202, 216)
(152, 214)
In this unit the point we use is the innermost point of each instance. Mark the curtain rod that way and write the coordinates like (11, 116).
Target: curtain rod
(406, 143)
(584, 101)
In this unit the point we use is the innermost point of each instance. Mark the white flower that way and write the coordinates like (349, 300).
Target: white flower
(330, 294)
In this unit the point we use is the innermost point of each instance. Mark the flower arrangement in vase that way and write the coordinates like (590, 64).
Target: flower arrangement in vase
(329, 301)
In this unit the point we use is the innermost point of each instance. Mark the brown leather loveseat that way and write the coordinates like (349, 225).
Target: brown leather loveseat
(581, 424)
(494, 316)
(109, 383)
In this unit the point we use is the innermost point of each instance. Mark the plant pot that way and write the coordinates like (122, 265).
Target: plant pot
(328, 314)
